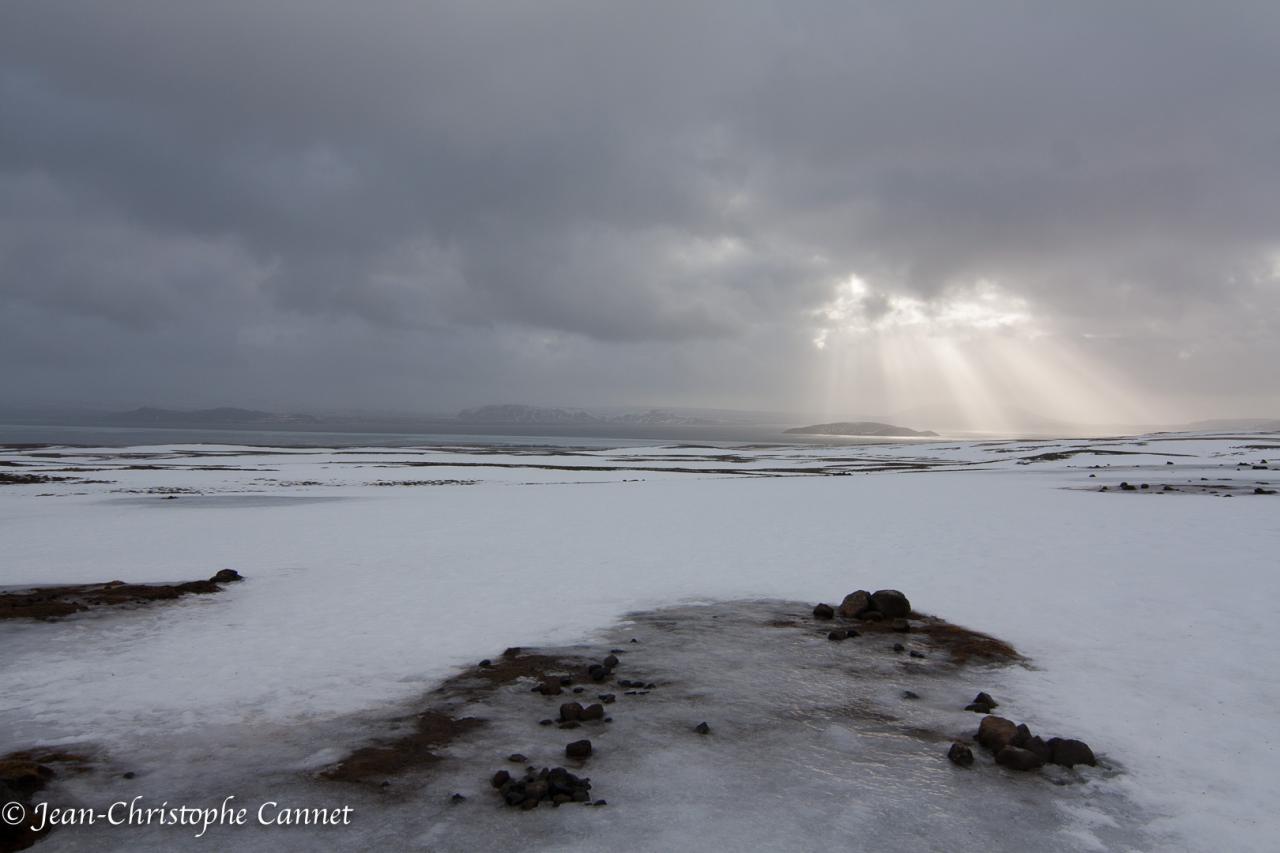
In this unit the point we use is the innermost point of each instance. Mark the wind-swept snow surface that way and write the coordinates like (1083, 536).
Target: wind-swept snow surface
(373, 573)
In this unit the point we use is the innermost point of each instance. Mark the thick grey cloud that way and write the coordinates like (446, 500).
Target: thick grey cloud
(420, 206)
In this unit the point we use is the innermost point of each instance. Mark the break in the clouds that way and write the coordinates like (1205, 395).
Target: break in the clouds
(853, 208)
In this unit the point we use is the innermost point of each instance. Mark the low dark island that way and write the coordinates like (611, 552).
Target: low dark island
(870, 428)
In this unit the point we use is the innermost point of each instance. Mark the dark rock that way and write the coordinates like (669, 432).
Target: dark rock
(1021, 735)
(570, 724)
(910, 694)
(607, 698)
(855, 604)
(611, 661)
(898, 647)
(500, 778)
(1069, 753)
(985, 698)
(457, 798)
(486, 662)
(600, 803)
(512, 652)
(995, 733)
(597, 672)
(891, 603)
(902, 626)
(1016, 758)
(824, 611)
(702, 729)
(546, 722)
(578, 749)
(915, 654)
(570, 711)
(565, 680)
(579, 689)
(634, 640)
(550, 687)
(960, 754)
(978, 707)
(128, 774)
(593, 712)
(516, 758)
(1039, 747)
(837, 635)
(226, 576)
(561, 799)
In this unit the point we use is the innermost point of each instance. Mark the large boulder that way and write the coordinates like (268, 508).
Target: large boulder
(1016, 758)
(995, 733)
(855, 604)
(824, 611)
(891, 603)
(1069, 753)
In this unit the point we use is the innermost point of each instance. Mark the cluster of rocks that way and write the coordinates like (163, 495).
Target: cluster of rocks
(557, 785)
(868, 606)
(553, 785)
(1014, 746)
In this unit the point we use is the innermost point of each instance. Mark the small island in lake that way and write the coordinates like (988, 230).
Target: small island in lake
(870, 428)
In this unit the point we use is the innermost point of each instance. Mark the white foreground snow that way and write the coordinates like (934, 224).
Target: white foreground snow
(1150, 617)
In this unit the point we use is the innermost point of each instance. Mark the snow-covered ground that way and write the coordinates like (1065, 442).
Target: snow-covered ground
(1149, 616)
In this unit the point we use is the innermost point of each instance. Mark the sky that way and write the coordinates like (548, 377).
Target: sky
(979, 212)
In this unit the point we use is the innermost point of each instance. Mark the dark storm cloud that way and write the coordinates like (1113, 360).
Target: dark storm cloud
(419, 205)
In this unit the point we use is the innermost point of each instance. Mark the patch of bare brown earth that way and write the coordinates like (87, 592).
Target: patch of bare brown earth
(52, 602)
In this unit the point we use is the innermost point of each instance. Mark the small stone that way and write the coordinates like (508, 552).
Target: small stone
(516, 758)
(634, 640)
(1021, 735)
(916, 654)
(1016, 758)
(824, 611)
(578, 689)
(910, 694)
(226, 576)
(578, 749)
(545, 722)
(960, 754)
(128, 774)
(565, 680)
(607, 698)
(898, 647)
(593, 712)
(597, 672)
(600, 803)
(486, 662)
(500, 778)
(702, 729)
(985, 698)
(611, 661)
(457, 798)
(570, 711)
(837, 635)
(550, 687)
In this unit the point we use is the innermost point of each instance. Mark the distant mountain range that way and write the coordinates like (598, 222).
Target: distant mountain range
(149, 416)
(864, 428)
(518, 414)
